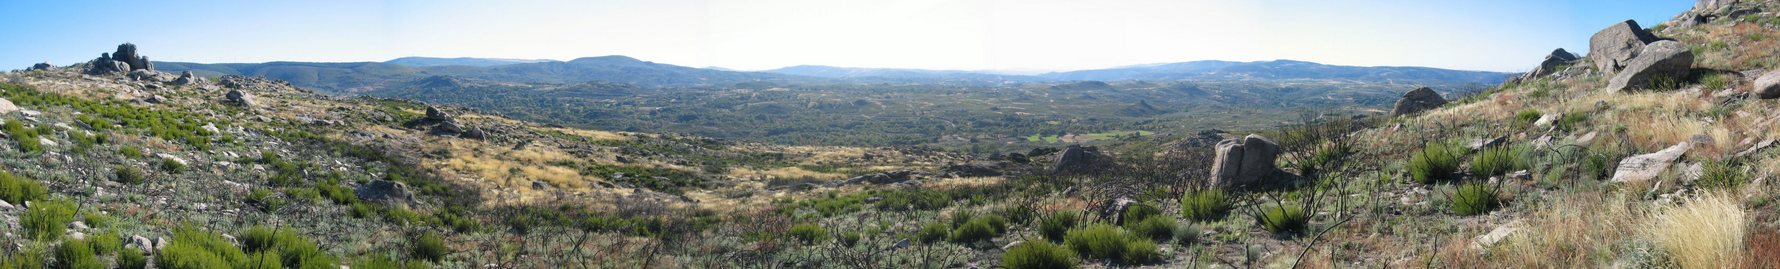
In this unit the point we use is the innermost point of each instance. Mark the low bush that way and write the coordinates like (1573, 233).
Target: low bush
(976, 230)
(378, 261)
(1038, 254)
(1571, 121)
(129, 174)
(1433, 163)
(808, 233)
(131, 258)
(1707, 231)
(172, 166)
(16, 190)
(77, 254)
(429, 247)
(47, 220)
(1053, 226)
(1284, 219)
(1159, 228)
(1595, 166)
(265, 200)
(1526, 118)
(1103, 241)
(849, 238)
(1139, 212)
(106, 243)
(26, 137)
(1495, 161)
(130, 151)
(1473, 199)
(29, 258)
(1205, 205)
(1721, 175)
(294, 250)
(934, 232)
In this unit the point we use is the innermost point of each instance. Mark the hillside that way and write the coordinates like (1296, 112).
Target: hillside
(460, 61)
(1280, 70)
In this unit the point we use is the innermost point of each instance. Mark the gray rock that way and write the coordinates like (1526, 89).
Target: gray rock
(1417, 100)
(6, 106)
(540, 185)
(1611, 48)
(475, 133)
(1768, 85)
(141, 242)
(434, 114)
(1665, 60)
(1557, 58)
(1018, 158)
(971, 170)
(41, 67)
(384, 191)
(1243, 162)
(891, 177)
(1648, 166)
(241, 98)
(1078, 159)
(449, 127)
(187, 78)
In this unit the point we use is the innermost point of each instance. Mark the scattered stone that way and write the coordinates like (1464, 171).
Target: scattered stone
(46, 141)
(6, 106)
(1078, 159)
(188, 78)
(891, 177)
(78, 225)
(1648, 166)
(384, 191)
(1417, 100)
(540, 185)
(1755, 148)
(1692, 171)
(5, 205)
(141, 242)
(1243, 162)
(1485, 241)
(434, 114)
(449, 127)
(1018, 158)
(1665, 60)
(1768, 85)
(1481, 143)
(211, 127)
(1115, 209)
(475, 133)
(1546, 120)
(971, 170)
(241, 98)
(172, 158)
(1612, 49)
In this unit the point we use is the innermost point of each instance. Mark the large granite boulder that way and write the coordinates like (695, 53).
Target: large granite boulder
(1648, 166)
(1078, 159)
(41, 67)
(126, 53)
(1612, 48)
(1244, 161)
(1665, 60)
(242, 99)
(187, 78)
(436, 115)
(1417, 100)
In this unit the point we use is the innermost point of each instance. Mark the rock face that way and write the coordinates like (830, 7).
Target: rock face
(1078, 159)
(1648, 166)
(241, 98)
(41, 67)
(1244, 161)
(1417, 100)
(1659, 61)
(1768, 85)
(1611, 48)
(1557, 58)
(126, 53)
(384, 191)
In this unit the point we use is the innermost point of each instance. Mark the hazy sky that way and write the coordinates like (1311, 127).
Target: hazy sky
(1027, 35)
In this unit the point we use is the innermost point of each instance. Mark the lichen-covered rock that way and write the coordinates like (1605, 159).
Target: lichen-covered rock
(1558, 58)
(1768, 85)
(1417, 100)
(242, 99)
(1244, 161)
(1611, 48)
(1648, 166)
(1659, 62)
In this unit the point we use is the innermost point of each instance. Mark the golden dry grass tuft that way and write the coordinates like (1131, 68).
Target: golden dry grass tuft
(1573, 232)
(1702, 232)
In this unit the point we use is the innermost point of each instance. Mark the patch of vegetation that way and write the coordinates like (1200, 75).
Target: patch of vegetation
(171, 125)
(1284, 219)
(1474, 198)
(1038, 254)
(1159, 228)
(1526, 118)
(808, 233)
(46, 220)
(294, 250)
(429, 247)
(1571, 121)
(1205, 205)
(26, 137)
(979, 229)
(1055, 225)
(1498, 160)
(131, 258)
(934, 232)
(129, 175)
(1102, 241)
(1721, 175)
(16, 190)
(1435, 162)
(77, 254)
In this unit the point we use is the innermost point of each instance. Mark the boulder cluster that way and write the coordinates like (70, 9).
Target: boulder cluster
(445, 124)
(1246, 161)
(1638, 59)
(124, 60)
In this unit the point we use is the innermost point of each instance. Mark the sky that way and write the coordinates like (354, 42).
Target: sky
(999, 35)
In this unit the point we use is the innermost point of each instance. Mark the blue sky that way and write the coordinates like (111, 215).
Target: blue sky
(1008, 35)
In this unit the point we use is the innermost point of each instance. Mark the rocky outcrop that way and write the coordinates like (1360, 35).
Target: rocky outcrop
(434, 114)
(1557, 59)
(1417, 100)
(6, 106)
(236, 97)
(971, 170)
(1768, 85)
(123, 60)
(1648, 166)
(1244, 161)
(384, 191)
(41, 67)
(1611, 49)
(187, 78)
(1657, 62)
(891, 177)
(1078, 159)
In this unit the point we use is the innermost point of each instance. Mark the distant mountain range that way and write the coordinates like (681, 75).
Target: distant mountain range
(348, 78)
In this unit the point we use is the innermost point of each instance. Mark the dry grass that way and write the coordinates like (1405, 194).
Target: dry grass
(1702, 232)
(791, 172)
(1573, 232)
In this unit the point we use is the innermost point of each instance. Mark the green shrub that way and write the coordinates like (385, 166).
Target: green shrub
(265, 199)
(377, 261)
(1474, 198)
(106, 243)
(1596, 166)
(1186, 234)
(1160, 228)
(1721, 175)
(1495, 161)
(1205, 205)
(294, 250)
(1038, 254)
(76, 254)
(1284, 219)
(129, 174)
(962, 216)
(130, 151)
(1570, 121)
(934, 232)
(1053, 226)
(47, 220)
(197, 249)
(850, 238)
(1139, 212)
(16, 190)
(26, 137)
(29, 258)
(976, 230)
(1139, 251)
(1102, 241)
(172, 166)
(429, 247)
(1526, 118)
(131, 258)
(808, 233)
(1433, 163)
(1325, 156)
